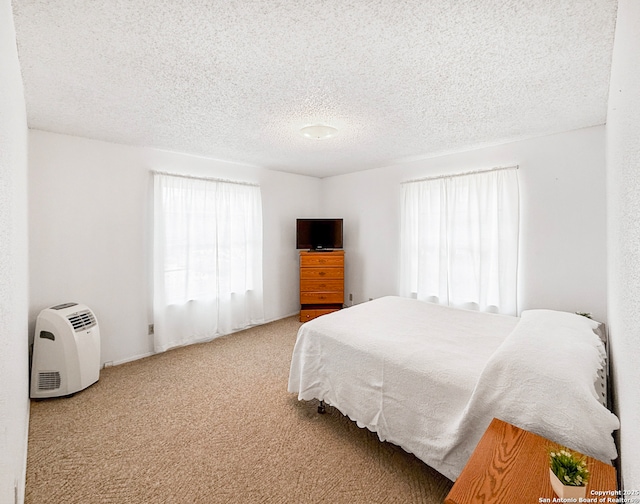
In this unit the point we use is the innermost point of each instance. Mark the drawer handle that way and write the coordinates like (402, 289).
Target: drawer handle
(322, 273)
(322, 261)
(323, 297)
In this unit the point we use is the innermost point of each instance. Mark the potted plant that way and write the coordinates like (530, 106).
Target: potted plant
(568, 473)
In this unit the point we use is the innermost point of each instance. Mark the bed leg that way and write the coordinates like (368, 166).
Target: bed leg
(321, 407)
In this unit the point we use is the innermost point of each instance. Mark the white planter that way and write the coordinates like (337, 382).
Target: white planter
(566, 491)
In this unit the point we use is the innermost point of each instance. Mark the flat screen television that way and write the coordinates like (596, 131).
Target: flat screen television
(319, 234)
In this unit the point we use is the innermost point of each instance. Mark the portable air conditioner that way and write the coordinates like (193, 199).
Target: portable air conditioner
(66, 351)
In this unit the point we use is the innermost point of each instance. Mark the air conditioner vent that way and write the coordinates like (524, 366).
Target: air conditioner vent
(49, 380)
(82, 320)
(63, 306)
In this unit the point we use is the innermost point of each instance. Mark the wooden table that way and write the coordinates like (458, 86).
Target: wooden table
(510, 465)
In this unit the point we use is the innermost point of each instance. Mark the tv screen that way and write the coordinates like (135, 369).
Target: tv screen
(319, 234)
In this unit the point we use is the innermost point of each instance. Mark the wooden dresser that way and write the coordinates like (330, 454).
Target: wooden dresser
(321, 283)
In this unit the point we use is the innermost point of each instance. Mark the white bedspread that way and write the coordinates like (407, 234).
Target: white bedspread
(430, 378)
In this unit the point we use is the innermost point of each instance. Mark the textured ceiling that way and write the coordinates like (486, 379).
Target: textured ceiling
(236, 80)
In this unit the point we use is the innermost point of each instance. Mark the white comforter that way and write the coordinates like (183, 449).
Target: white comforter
(430, 378)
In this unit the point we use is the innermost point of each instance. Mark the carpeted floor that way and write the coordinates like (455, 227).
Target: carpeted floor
(213, 423)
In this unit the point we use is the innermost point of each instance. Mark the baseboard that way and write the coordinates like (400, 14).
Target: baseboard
(292, 314)
(20, 485)
(129, 359)
(149, 354)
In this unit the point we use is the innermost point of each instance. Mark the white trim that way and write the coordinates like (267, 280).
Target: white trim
(206, 340)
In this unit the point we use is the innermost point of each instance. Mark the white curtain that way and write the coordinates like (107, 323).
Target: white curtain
(459, 240)
(207, 259)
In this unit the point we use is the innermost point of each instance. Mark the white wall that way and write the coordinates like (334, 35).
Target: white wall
(90, 211)
(14, 364)
(623, 194)
(563, 223)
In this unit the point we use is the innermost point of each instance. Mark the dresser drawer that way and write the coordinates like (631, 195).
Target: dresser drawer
(322, 297)
(320, 273)
(322, 285)
(320, 259)
(306, 315)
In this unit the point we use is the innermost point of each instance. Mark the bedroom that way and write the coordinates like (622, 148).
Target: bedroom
(559, 224)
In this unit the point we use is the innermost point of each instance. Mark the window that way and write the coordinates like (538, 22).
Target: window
(459, 240)
(207, 258)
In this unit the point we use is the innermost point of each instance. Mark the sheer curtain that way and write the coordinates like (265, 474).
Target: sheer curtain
(207, 259)
(459, 240)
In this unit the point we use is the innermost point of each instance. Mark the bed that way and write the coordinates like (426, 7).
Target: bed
(430, 378)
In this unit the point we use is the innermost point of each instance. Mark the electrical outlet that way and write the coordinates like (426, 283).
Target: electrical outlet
(150, 328)
(350, 297)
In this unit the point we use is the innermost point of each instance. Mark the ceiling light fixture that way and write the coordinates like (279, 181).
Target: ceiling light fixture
(318, 131)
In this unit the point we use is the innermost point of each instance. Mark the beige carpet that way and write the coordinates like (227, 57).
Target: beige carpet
(213, 423)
